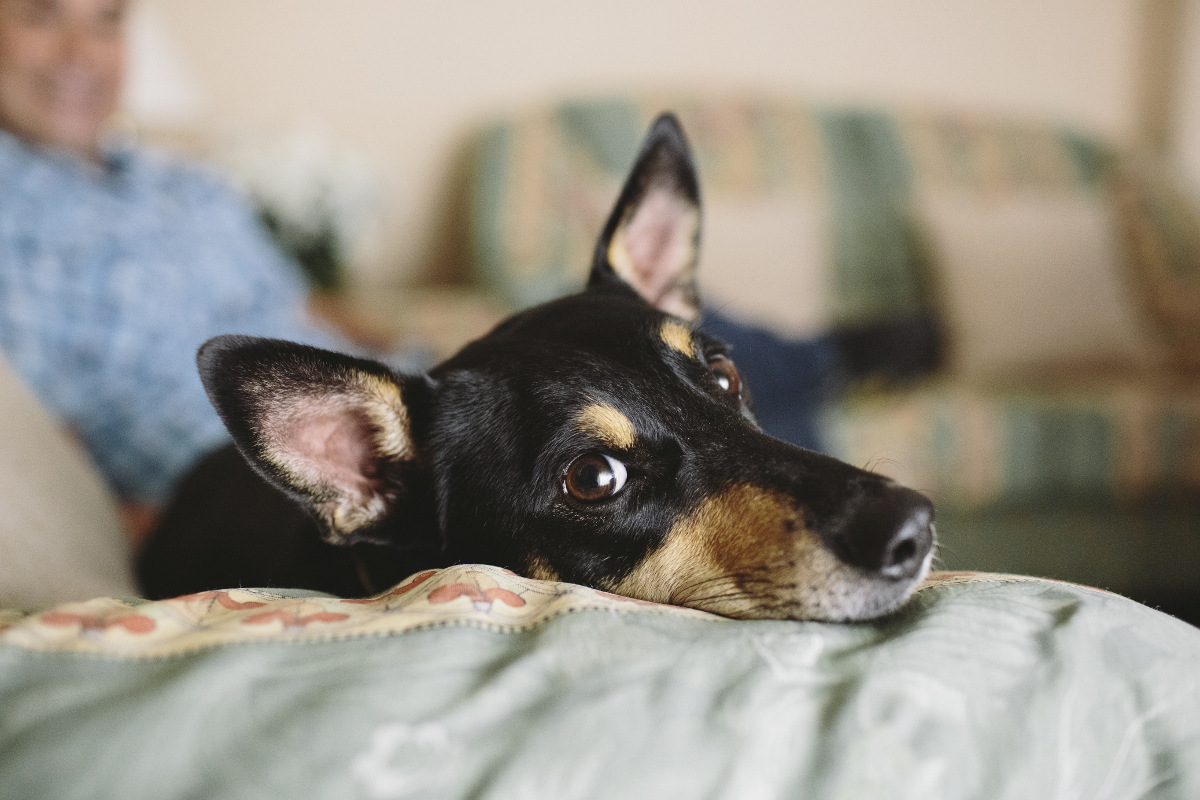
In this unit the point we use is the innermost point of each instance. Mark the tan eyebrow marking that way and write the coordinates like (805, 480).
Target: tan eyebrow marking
(607, 424)
(678, 336)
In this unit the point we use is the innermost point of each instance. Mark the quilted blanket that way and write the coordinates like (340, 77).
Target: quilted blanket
(474, 682)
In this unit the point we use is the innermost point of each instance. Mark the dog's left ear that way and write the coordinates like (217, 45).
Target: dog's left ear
(652, 238)
(332, 431)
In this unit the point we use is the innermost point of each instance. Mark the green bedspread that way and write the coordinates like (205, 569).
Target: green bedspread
(473, 682)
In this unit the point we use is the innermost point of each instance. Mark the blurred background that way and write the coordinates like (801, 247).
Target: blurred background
(1026, 170)
(405, 84)
(1020, 177)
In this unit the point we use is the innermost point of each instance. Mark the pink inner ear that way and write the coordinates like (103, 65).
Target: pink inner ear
(659, 242)
(331, 443)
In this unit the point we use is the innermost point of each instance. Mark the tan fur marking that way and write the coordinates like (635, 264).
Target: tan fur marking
(385, 406)
(603, 422)
(678, 336)
(539, 569)
(744, 525)
(746, 554)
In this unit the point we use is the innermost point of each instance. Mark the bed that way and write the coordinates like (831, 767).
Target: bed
(475, 682)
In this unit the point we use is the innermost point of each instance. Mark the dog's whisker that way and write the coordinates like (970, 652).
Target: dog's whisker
(687, 594)
(738, 582)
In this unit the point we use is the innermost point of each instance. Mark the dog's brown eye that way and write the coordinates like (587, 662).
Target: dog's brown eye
(726, 374)
(594, 477)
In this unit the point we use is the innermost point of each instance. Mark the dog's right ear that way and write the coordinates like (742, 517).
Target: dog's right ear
(330, 430)
(652, 237)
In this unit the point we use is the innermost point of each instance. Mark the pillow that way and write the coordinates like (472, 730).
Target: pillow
(804, 223)
(60, 537)
(473, 682)
(1161, 228)
(1034, 283)
(764, 260)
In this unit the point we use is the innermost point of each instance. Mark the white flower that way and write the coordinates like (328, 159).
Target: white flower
(310, 188)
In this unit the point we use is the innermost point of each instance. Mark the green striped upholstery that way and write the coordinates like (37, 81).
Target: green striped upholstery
(971, 449)
(1098, 486)
(545, 178)
(1098, 483)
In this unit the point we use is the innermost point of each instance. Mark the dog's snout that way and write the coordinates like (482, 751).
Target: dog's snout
(890, 534)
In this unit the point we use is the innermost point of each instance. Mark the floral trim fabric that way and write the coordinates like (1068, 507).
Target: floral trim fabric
(478, 595)
(470, 595)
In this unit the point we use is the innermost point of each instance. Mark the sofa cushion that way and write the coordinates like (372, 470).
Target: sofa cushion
(1043, 249)
(1035, 445)
(60, 538)
(1035, 285)
(806, 221)
(1161, 228)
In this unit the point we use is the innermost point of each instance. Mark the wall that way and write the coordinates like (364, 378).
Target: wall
(404, 81)
(1186, 142)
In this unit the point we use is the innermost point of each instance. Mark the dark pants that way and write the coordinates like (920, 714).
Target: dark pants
(790, 379)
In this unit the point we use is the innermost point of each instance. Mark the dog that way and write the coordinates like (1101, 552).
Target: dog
(599, 439)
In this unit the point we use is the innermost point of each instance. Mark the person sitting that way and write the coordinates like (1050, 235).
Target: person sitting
(117, 262)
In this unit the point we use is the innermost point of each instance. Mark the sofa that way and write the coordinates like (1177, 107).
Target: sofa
(1059, 435)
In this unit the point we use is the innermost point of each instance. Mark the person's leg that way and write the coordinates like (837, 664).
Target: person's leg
(789, 379)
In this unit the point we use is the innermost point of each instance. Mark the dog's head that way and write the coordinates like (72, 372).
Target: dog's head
(598, 439)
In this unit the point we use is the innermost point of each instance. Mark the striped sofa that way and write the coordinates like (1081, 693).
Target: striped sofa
(1062, 436)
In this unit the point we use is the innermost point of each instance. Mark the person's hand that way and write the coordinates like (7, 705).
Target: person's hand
(334, 311)
(138, 521)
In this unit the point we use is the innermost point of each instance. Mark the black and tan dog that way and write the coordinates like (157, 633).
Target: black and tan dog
(597, 439)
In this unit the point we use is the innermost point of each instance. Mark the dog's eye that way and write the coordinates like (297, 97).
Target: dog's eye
(726, 374)
(594, 477)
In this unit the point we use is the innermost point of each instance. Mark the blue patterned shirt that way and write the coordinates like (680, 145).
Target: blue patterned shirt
(110, 279)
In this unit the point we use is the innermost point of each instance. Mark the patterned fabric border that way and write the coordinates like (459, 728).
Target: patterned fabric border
(473, 595)
(465, 595)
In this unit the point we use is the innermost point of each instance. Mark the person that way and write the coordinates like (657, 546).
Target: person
(116, 263)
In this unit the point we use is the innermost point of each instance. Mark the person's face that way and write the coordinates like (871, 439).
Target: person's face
(61, 67)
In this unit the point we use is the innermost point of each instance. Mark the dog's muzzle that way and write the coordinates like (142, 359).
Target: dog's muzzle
(889, 534)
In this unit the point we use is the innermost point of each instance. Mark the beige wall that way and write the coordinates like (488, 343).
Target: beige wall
(1187, 123)
(404, 81)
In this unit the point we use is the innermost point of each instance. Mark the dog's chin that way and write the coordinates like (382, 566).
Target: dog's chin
(846, 593)
(873, 597)
(843, 594)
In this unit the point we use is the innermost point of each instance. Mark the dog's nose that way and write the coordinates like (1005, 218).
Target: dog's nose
(889, 534)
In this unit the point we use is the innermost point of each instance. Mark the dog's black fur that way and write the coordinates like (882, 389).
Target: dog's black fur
(597, 439)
